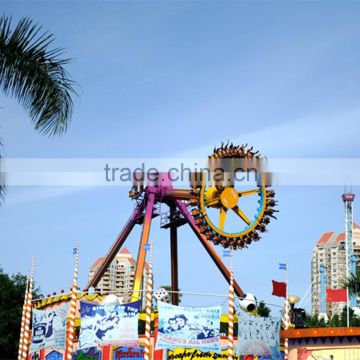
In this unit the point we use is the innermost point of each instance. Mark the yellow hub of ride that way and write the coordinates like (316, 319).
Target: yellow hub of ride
(229, 197)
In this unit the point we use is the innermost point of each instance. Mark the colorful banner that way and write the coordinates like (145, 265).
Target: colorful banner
(126, 353)
(194, 354)
(188, 327)
(49, 329)
(109, 324)
(88, 354)
(258, 335)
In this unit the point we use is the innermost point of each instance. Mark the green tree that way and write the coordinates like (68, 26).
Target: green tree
(263, 310)
(334, 321)
(34, 74)
(312, 320)
(352, 282)
(353, 319)
(12, 291)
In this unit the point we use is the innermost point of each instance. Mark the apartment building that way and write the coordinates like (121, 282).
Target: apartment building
(329, 251)
(119, 276)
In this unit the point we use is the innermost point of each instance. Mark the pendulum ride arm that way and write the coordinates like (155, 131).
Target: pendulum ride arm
(208, 247)
(143, 241)
(116, 246)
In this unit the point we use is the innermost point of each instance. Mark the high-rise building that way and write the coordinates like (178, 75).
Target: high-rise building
(330, 255)
(119, 276)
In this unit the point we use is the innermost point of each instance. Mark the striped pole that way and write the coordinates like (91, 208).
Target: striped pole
(22, 328)
(286, 316)
(231, 309)
(28, 306)
(72, 312)
(149, 291)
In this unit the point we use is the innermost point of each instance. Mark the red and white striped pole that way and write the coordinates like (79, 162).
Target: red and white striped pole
(22, 328)
(231, 309)
(149, 291)
(28, 307)
(286, 316)
(72, 311)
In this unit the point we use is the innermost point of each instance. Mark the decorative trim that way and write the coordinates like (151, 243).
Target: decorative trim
(320, 332)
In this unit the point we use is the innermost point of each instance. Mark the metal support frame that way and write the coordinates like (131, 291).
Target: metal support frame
(209, 248)
(350, 263)
(117, 245)
(154, 194)
(142, 252)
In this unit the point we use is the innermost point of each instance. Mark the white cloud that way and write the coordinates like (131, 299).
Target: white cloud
(318, 135)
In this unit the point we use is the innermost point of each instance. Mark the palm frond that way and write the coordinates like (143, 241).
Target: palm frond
(2, 178)
(352, 282)
(35, 75)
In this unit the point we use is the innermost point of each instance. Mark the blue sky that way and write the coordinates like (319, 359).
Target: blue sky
(164, 78)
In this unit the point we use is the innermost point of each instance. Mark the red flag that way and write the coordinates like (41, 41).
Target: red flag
(338, 295)
(279, 289)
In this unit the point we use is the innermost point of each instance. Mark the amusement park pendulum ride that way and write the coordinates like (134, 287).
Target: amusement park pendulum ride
(220, 212)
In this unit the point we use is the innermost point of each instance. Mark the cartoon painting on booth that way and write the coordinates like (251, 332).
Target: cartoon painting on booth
(109, 324)
(49, 329)
(189, 327)
(327, 354)
(258, 335)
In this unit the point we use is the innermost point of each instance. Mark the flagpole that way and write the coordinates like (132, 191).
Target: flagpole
(22, 328)
(71, 325)
(28, 307)
(287, 280)
(286, 314)
(149, 291)
(231, 309)
(347, 289)
(347, 308)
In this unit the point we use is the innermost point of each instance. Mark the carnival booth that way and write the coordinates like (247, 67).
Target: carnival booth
(324, 343)
(105, 331)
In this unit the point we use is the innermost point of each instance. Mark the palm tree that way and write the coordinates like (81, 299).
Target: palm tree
(2, 180)
(352, 282)
(35, 75)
